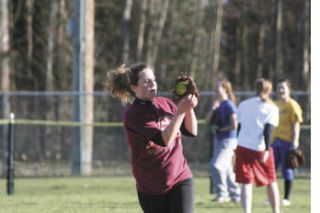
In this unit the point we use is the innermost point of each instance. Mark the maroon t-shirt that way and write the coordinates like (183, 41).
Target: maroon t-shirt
(156, 168)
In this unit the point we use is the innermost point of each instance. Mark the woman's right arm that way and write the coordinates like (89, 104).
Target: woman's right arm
(208, 118)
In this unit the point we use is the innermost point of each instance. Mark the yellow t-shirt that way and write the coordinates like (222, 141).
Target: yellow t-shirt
(289, 112)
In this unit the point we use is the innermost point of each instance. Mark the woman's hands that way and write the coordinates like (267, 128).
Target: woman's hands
(215, 104)
(187, 103)
(184, 110)
(264, 157)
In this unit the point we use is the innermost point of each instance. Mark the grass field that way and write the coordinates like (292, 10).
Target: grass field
(117, 194)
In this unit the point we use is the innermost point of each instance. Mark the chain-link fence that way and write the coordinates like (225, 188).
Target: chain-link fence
(45, 148)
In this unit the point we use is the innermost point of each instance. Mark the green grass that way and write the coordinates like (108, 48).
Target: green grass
(117, 194)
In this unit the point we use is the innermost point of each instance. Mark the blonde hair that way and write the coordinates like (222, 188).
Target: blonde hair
(119, 82)
(228, 87)
(263, 89)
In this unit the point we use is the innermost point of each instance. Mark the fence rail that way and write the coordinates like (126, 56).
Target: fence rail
(162, 93)
(44, 124)
(94, 124)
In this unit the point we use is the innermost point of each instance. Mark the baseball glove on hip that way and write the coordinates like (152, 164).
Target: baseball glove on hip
(295, 159)
(181, 86)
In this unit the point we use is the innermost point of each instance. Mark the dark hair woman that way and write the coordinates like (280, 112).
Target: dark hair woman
(153, 127)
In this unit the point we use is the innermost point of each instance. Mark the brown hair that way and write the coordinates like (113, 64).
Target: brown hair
(119, 80)
(263, 89)
(284, 80)
(228, 87)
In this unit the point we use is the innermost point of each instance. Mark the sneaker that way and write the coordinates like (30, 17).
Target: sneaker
(236, 199)
(220, 199)
(266, 202)
(285, 202)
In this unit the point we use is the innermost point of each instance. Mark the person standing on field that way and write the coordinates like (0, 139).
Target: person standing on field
(286, 135)
(153, 127)
(257, 116)
(223, 117)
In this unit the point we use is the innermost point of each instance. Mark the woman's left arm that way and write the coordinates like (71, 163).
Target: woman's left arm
(295, 134)
(233, 126)
(190, 119)
(190, 122)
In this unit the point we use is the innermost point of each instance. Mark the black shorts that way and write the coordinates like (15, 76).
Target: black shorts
(178, 200)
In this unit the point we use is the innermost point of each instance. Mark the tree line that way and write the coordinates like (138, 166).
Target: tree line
(241, 39)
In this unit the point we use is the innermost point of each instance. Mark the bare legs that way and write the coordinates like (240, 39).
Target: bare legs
(246, 197)
(273, 194)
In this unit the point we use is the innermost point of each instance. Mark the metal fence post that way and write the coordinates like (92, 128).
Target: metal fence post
(10, 166)
(4, 135)
(78, 86)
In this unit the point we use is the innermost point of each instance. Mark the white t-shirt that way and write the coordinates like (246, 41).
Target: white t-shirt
(253, 114)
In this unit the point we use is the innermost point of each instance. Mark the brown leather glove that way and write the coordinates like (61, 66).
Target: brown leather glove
(181, 86)
(295, 159)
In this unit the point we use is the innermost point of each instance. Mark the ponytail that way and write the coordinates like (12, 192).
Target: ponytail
(263, 89)
(119, 81)
(228, 88)
(230, 92)
(118, 85)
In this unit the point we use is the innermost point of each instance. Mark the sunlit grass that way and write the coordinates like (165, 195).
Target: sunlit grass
(118, 194)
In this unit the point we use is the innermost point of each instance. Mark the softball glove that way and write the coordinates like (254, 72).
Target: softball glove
(181, 86)
(295, 159)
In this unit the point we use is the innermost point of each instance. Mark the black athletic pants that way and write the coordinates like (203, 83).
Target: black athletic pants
(178, 200)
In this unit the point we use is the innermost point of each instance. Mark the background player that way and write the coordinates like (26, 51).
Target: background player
(286, 134)
(223, 116)
(254, 158)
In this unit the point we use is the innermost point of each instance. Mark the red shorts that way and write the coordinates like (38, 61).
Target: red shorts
(250, 169)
